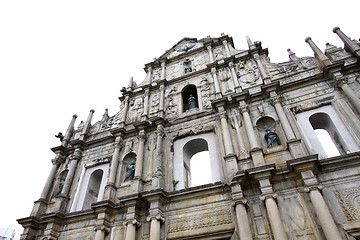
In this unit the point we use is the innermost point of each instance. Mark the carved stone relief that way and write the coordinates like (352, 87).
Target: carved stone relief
(199, 63)
(298, 219)
(350, 203)
(247, 72)
(155, 101)
(135, 109)
(205, 93)
(219, 53)
(156, 74)
(198, 221)
(174, 71)
(171, 106)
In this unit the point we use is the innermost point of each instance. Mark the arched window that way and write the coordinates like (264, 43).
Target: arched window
(327, 134)
(196, 163)
(188, 151)
(326, 118)
(189, 98)
(92, 191)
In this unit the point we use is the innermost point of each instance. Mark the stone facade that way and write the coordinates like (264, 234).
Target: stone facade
(128, 176)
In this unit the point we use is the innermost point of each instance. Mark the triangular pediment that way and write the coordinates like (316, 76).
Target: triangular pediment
(183, 46)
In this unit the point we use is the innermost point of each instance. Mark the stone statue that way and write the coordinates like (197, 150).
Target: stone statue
(192, 102)
(271, 138)
(130, 172)
(188, 69)
(61, 186)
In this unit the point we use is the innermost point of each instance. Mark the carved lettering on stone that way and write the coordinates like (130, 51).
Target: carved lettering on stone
(198, 221)
(350, 203)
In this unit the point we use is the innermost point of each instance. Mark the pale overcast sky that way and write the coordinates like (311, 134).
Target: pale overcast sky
(59, 58)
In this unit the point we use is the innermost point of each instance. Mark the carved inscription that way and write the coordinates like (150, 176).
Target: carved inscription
(200, 221)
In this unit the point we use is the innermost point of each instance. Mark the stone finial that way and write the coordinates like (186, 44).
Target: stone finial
(69, 132)
(250, 43)
(292, 55)
(349, 44)
(323, 59)
(86, 128)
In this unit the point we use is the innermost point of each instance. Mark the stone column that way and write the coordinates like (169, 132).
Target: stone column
(227, 50)
(126, 106)
(349, 44)
(342, 83)
(283, 119)
(321, 209)
(211, 55)
(243, 152)
(140, 154)
(322, 212)
(76, 156)
(226, 134)
(157, 180)
(243, 220)
(148, 76)
(163, 73)
(115, 160)
(131, 230)
(86, 128)
(216, 83)
(323, 59)
(69, 132)
(275, 219)
(262, 71)
(235, 79)
(162, 100)
(155, 223)
(249, 127)
(146, 103)
(100, 234)
(50, 179)
(110, 186)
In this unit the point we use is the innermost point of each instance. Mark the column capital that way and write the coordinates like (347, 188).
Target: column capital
(157, 217)
(102, 228)
(213, 70)
(119, 142)
(242, 201)
(56, 161)
(314, 187)
(275, 100)
(162, 87)
(160, 130)
(76, 155)
(163, 64)
(209, 47)
(231, 64)
(268, 196)
(243, 107)
(142, 135)
(133, 222)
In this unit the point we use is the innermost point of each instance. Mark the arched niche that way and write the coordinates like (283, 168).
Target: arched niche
(59, 183)
(189, 93)
(264, 123)
(129, 157)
